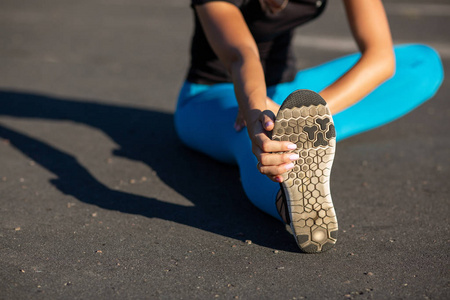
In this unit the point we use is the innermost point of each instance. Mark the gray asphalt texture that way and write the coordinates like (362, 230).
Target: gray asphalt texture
(99, 199)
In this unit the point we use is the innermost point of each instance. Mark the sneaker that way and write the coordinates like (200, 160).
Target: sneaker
(304, 200)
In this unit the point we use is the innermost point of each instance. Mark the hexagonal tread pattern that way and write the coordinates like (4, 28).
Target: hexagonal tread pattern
(307, 185)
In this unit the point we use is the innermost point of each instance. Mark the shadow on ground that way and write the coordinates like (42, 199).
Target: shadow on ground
(220, 205)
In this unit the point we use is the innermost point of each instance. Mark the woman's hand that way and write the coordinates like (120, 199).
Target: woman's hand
(270, 161)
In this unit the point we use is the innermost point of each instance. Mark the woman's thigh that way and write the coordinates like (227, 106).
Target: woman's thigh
(205, 117)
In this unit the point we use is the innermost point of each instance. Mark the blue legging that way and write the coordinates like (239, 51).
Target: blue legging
(205, 114)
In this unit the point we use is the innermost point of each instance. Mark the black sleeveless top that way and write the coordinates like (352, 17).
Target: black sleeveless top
(272, 33)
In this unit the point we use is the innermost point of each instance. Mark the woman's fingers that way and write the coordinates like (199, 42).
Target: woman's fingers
(274, 159)
(277, 178)
(239, 124)
(267, 120)
(275, 164)
(267, 145)
(275, 170)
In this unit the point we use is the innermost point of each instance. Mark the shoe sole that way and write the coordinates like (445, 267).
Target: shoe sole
(304, 119)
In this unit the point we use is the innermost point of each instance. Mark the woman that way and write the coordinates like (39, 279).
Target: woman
(243, 67)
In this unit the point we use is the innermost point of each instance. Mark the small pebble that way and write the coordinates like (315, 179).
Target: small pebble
(275, 251)
(248, 242)
(17, 228)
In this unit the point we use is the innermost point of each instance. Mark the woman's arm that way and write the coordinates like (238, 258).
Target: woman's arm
(370, 29)
(231, 40)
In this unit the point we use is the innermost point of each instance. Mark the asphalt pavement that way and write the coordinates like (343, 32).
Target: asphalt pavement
(100, 200)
